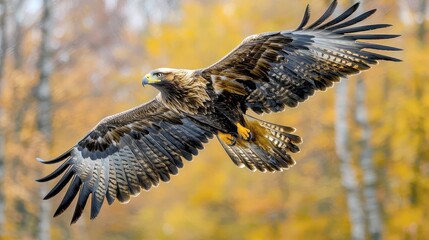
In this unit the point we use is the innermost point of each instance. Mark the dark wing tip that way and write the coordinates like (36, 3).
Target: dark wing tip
(325, 15)
(96, 203)
(352, 21)
(60, 185)
(372, 36)
(305, 18)
(81, 203)
(56, 160)
(341, 17)
(391, 59)
(69, 196)
(55, 173)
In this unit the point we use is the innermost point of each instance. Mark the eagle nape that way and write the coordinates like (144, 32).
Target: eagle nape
(137, 149)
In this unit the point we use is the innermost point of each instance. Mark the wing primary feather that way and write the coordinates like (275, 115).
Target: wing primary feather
(352, 21)
(325, 16)
(56, 160)
(304, 19)
(55, 173)
(81, 202)
(377, 56)
(340, 18)
(362, 28)
(69, 196)
(60, 185)
(371, 36)
(378, 47)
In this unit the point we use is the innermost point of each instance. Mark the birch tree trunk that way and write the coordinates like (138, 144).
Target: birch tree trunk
(3, 32)
(3, 13)
(18, 32)
(372, 208)
(44, 102)
(348, 174)
(371, 205)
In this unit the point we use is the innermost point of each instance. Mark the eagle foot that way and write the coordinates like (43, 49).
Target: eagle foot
(227, 138)
(244, 132)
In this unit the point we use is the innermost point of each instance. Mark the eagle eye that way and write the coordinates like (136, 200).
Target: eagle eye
(159, 74)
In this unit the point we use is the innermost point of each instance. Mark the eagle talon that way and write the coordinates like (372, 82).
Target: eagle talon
(244, 132)
(229, 139)
(250, 136)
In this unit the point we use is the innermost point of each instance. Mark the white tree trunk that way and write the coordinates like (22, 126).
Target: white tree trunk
(18, 33)
(348, 175)
(372, 207)
(44, 111)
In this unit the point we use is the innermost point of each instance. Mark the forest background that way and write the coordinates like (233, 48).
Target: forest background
(363, 169)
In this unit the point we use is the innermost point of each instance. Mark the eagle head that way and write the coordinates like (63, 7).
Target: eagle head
(175, 85)
(163, 77)
(170, 81)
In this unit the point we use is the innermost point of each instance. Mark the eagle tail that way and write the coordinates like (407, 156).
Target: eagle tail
(269, 148)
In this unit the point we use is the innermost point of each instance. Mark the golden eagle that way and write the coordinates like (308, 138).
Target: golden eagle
(137, 148)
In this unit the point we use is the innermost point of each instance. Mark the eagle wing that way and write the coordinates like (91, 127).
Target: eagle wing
(278, 69)
(124, 153)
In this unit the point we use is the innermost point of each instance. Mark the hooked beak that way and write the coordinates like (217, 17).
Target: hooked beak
(149, 79)
(145, 81)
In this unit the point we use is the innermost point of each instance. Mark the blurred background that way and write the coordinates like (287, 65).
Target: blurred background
(363, 169)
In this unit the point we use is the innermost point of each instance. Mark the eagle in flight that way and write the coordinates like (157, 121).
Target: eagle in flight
(267, 72)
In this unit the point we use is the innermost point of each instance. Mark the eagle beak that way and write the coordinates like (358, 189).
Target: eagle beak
(149, 79)
(145, 81)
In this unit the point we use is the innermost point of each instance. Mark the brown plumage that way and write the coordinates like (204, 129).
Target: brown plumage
(140, 147)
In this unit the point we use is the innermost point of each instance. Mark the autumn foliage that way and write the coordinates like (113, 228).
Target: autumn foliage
(102, 49)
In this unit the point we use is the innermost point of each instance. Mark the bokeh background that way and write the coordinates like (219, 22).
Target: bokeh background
(363, 169)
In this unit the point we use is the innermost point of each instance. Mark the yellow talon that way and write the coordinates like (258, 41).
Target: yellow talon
(244, 132)
(227, 138)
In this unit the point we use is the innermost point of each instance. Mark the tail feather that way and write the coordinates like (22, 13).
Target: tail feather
(268, 150)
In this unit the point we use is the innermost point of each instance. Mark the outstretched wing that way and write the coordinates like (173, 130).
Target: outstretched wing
(125, 153)
(272, 70)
